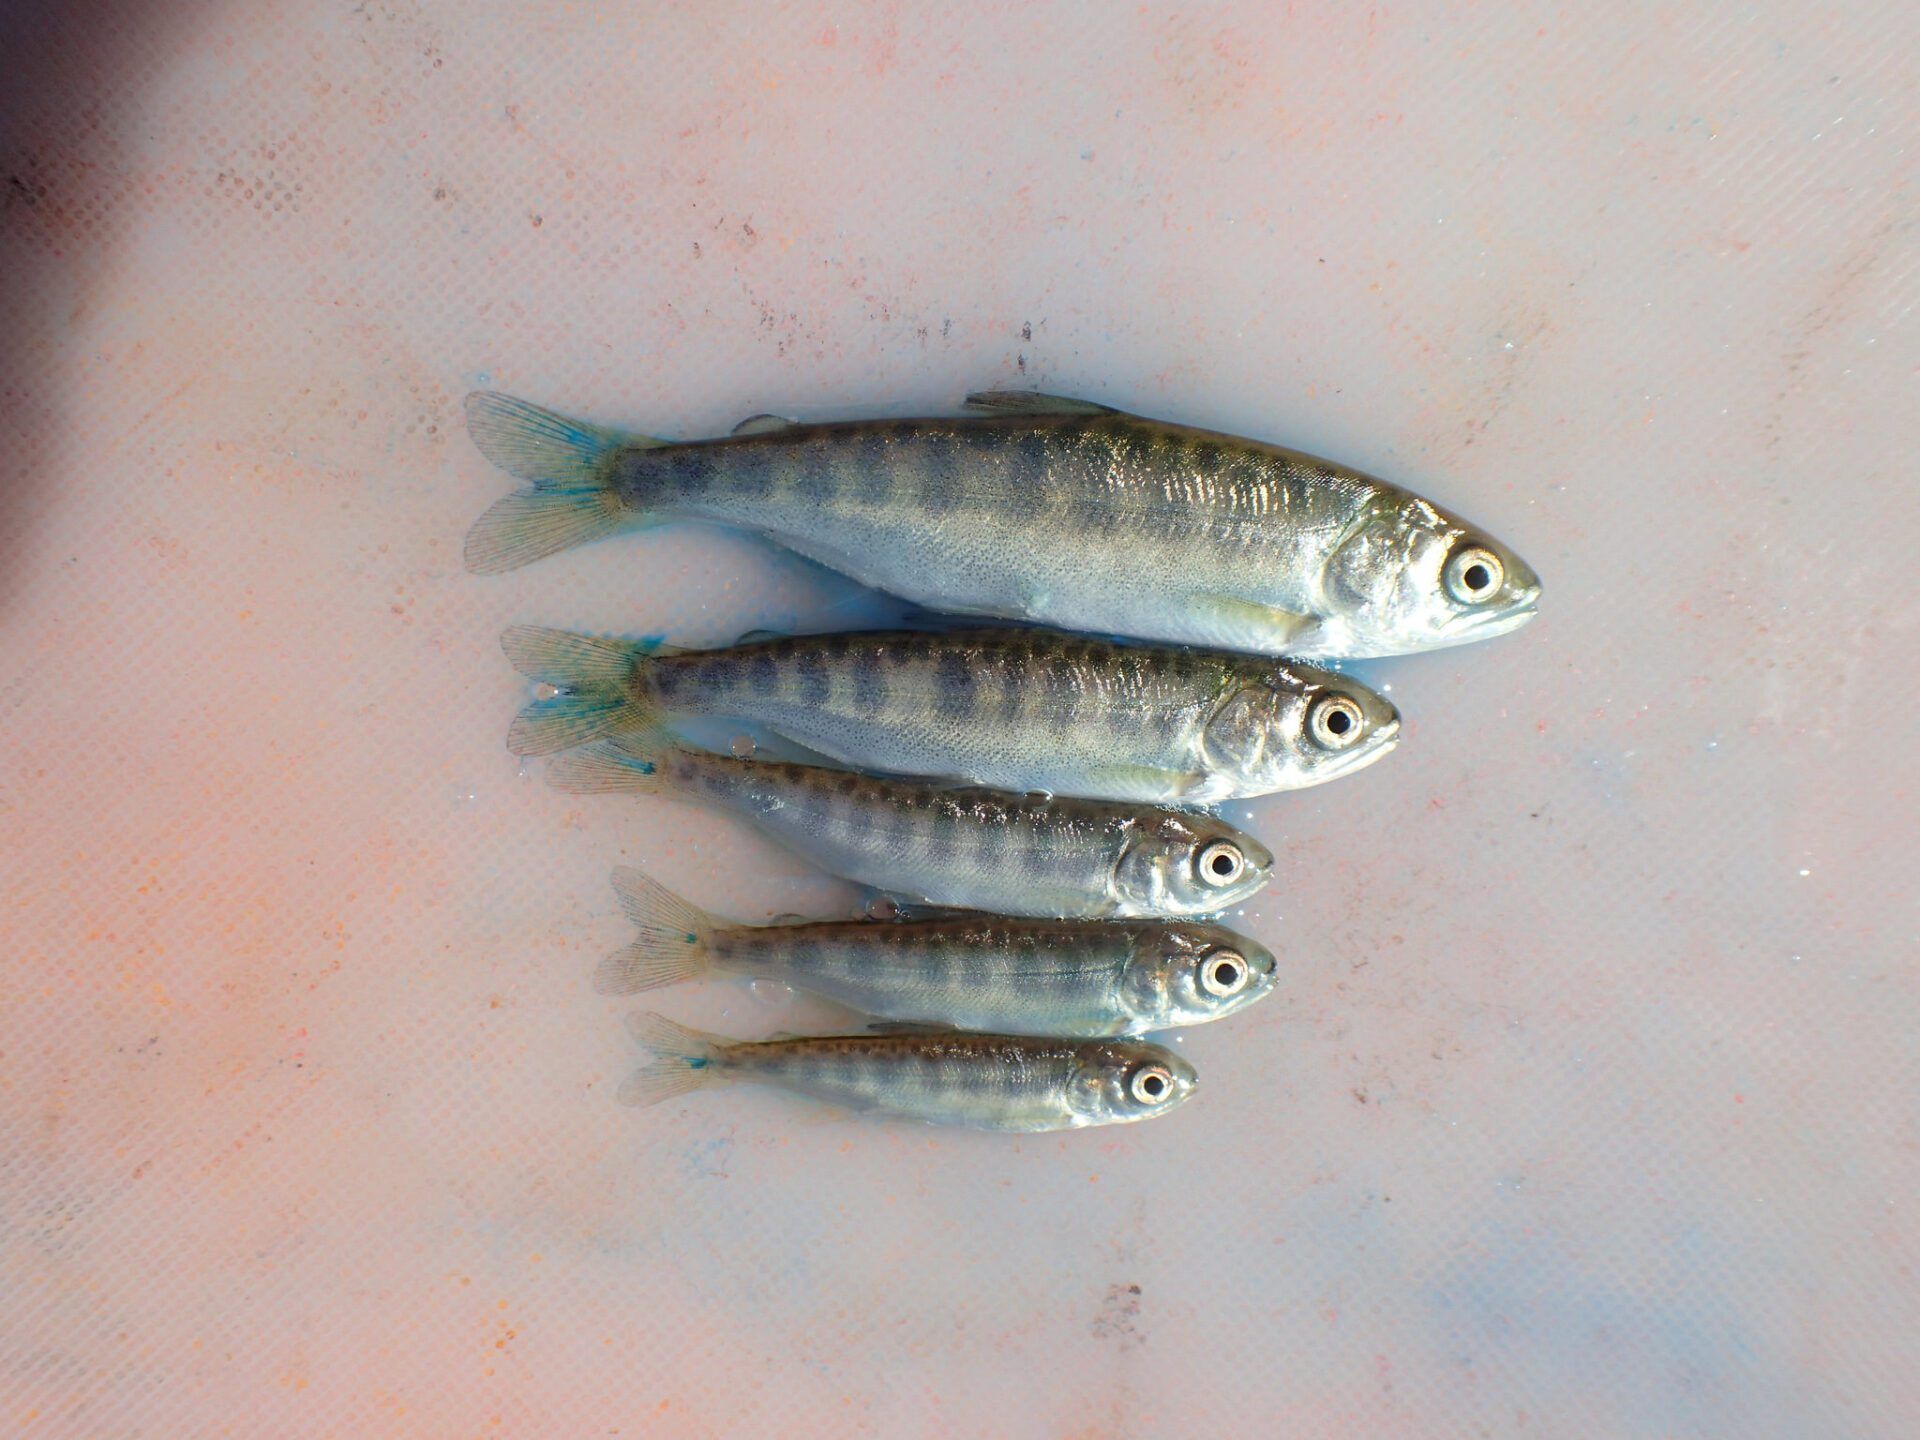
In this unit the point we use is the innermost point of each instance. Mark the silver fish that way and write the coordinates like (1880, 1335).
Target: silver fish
(978, 972)
(945, 1077)
(1044, 509)
(1016, 709)
(966, 848)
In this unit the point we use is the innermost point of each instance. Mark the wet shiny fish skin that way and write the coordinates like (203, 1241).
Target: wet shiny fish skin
(1079, 978)
(1009, 708)
(969, 849)
(1043, 509)
(946, 1077)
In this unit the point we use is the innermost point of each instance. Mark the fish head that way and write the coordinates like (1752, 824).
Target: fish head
(1412, 577)
(1185, 973)
(1294, 726)
(1116, 1081)
(1181, 863)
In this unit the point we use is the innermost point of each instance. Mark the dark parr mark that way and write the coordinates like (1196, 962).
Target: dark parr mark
(869, 685)
(810, 673)
(873, 465)
(955, 684)
(691, 469)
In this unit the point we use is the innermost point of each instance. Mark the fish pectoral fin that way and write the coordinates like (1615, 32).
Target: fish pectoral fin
(910, 1027)
(905, 907)
(1248, 625)
(764, 424)
(1032, 402)
(1150, 783)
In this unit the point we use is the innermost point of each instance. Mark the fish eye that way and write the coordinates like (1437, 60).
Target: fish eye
(1334, 721)
(1221, 863)
(1151, 1084)
(1223, 973)
(1474, 574)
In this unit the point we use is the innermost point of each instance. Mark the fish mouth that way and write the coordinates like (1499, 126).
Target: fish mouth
(1377, 742)
(1248, 886)
(1510, 616)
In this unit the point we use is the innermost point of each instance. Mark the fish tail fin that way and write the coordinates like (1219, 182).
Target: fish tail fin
(596, 679)
(570, 466)
(688, 1059)
(604, 768)
(671, 945)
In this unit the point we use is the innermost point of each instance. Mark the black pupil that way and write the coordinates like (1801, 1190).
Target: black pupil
(1478, 577)
(1225, 973)
(1153, 1085)
(1339, 722)
(1223, 864)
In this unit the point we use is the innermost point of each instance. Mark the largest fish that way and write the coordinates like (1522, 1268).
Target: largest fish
(1039, 508)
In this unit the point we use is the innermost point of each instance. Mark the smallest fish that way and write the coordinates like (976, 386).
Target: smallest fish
(978, 972)
(943, 1077)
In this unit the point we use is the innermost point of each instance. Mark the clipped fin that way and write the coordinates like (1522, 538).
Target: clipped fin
(671, 945)
(604, 768)
(595, 677)
(761, 637)
(909, 1027)
(764, 425)
(570, 466)
(1033, 402)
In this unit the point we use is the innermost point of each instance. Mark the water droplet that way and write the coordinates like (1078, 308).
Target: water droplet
(882, 907)
(769, 992)
(742, 747)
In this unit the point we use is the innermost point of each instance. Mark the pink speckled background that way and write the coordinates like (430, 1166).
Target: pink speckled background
(1589, 1105)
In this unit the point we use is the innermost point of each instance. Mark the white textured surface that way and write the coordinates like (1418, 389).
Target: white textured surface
(1590, 1108)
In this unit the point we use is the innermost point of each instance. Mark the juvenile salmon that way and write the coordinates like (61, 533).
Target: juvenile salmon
(966, 848)
(1017, 709)
(949, 1077)
(1041, 508)
(978, 972)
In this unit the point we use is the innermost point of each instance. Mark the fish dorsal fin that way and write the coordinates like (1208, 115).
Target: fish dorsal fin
(763, 425)
(908, 1027)
(1032, 402)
